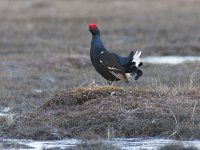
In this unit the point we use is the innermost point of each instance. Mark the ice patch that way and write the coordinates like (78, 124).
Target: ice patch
(122, 143)
(39, 145)
(170, 59)
(37, 90)
(5, 112)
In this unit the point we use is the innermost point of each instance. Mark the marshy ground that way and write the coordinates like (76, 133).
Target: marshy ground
(47, 80)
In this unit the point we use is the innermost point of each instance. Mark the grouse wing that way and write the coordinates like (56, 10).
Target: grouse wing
(112, 65)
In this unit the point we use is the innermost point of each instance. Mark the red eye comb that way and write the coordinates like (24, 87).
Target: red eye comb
(92, 26)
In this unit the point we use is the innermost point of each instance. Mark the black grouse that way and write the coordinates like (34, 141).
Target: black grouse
(110, 65)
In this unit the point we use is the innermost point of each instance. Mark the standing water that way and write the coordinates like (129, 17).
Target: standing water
(122, 144)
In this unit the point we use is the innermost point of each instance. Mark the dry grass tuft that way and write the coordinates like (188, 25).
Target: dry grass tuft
(78, 96)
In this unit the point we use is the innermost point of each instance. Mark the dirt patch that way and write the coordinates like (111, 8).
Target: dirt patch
(107, 111)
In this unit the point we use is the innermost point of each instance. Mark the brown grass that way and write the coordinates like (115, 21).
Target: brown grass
(78, 96)
(45, 49)
(120, 111)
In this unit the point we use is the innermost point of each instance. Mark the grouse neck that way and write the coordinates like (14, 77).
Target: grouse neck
(94, 31)
(97, 44)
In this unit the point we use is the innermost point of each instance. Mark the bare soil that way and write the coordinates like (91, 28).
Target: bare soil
(44, 57)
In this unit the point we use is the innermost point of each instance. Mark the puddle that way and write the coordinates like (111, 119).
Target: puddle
(170, 59)
(4, 111)
(123, 144)
(149, 144)
(38, 91)
(38, 145)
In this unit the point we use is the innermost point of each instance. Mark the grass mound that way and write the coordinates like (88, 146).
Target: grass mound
(78, 96)
(109, 111)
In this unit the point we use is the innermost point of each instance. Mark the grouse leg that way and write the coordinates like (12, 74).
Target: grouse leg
(134, 70)
(139, 74)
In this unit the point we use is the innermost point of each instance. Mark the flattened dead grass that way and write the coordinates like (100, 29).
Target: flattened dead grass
(81, 95)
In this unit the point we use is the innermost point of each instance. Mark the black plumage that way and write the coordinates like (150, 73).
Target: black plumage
(110, 65)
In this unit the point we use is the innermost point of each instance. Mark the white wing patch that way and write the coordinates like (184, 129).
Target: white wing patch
(128, 75)
(101, 61)
(102, 52)
(136, 58)
(112, 68)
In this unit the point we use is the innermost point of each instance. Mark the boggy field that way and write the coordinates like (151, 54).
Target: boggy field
(53, 91)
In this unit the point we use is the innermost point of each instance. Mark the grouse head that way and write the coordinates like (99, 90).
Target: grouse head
(94, 29)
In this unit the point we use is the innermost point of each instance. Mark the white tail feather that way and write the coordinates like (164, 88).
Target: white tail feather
(136, 58)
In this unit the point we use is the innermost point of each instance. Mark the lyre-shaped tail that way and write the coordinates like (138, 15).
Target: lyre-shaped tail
(136, 58)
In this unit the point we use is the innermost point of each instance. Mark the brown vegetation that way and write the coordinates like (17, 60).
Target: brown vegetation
(169, 112)
(44, 48)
